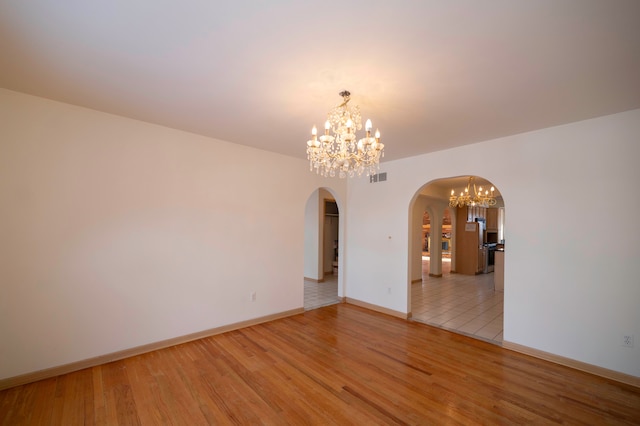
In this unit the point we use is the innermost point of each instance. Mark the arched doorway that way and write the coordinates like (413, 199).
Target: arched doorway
(322, 263)
(459, 290)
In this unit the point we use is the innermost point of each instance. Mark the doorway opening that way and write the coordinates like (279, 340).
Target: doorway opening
(322, 248)
(456, 277)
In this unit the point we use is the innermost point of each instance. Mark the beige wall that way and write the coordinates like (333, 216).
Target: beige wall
(117, 233)
(571, 281)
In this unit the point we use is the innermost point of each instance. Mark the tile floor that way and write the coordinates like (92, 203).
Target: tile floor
(465, 304)
(321, 294)
(462, 303)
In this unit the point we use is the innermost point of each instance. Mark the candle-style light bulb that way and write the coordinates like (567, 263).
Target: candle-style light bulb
(327, 126)
(367, 127)
(313, 143)
(377, 135)
(453, 191)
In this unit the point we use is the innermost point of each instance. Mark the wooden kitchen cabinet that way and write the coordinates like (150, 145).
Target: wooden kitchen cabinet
(492, 219)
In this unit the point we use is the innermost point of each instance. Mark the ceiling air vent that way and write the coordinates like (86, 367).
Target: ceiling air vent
(378, 177)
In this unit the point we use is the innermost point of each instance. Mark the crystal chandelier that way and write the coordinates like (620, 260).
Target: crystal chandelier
(342, 152)
(477, 199)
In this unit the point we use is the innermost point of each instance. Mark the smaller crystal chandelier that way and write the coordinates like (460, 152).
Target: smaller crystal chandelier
(342, 152)
(477, 199)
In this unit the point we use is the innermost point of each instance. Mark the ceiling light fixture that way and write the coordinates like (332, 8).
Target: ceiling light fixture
(477, 199)
(342, 152)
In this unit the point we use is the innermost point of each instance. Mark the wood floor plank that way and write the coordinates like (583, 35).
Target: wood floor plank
(99, 403)
(31, 404)
(339, 364)
(120, 404)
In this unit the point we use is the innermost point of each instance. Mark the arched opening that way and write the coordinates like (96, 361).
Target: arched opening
(322, 248)
(456, 261)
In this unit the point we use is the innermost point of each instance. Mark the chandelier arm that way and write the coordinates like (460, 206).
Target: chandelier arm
(478, 198)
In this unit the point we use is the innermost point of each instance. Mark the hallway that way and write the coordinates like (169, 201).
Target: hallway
(464, 304)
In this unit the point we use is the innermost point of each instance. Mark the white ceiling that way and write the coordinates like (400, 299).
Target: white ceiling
(430, 74)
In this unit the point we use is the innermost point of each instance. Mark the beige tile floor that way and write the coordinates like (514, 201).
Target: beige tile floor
(321, 294)
(465, 304)
(462, 303)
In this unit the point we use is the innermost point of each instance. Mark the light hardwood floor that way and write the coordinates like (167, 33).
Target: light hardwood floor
(338, 364)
